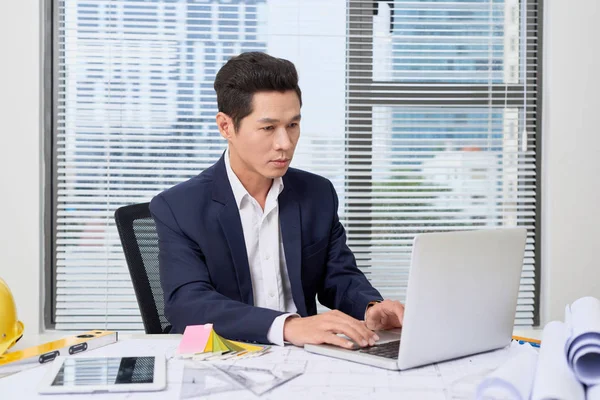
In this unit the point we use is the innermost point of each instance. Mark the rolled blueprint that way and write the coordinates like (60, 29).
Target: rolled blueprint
(554, 380)
(582, 349)
(514, 378)
(593, 393)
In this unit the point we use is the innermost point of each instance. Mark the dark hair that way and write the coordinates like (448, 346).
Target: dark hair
(249, 73)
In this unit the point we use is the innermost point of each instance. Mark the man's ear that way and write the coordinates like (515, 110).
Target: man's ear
(225, 125)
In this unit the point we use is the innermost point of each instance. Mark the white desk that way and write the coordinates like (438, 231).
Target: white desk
(32, 340)
(323, 377)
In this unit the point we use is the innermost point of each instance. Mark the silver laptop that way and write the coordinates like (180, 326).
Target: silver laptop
(461, 300)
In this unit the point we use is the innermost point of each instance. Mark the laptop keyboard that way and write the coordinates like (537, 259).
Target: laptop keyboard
(387, 350)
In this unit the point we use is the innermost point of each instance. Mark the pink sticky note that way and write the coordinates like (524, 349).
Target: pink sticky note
(194, 339)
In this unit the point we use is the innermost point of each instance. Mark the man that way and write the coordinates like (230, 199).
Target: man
(249, 243)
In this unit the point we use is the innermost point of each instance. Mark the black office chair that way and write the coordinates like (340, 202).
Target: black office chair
(140, 245)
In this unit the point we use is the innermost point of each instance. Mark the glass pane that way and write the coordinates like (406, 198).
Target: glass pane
(441, 169)
(447, 41)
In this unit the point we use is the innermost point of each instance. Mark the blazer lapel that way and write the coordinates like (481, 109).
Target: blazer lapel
(232, 227)
(230, 221)
(289, 218)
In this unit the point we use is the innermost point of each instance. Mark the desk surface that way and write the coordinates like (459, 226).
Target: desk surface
(32, 340)
(323, 377)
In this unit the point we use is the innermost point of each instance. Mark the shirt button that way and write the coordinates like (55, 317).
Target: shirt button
(271, 294)
(267, 257)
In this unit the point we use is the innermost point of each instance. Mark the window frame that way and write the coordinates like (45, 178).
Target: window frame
(360, 85)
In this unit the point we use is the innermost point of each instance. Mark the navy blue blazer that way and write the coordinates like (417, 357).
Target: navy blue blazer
(204, 269)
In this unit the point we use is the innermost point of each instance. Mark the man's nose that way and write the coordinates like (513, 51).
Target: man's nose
(282, 139)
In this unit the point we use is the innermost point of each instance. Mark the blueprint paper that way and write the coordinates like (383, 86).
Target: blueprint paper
(200, 381)
(593, 393)
(262, 380)
(323, 377)
(582, 349)
(554, 379)
(514, 378)
(13, 369)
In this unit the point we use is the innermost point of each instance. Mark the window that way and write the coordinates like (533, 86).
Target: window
(424, 115)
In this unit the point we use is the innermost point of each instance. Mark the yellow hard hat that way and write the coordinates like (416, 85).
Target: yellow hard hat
(11, 329)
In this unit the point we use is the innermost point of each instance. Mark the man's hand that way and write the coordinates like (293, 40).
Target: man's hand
(385, 315)
(323, 328)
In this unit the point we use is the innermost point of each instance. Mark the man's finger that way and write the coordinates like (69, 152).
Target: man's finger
(332, 338)
(357, 325)
(366, 333)
(350, 331)
(377, 318)
(399, 311)
(372, 321)
(384, 320)
(395, 309)
(377, 324)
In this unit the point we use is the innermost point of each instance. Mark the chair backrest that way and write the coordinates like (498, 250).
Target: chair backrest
(140, 245)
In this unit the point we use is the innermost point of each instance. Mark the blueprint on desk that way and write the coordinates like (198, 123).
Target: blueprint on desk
(203, 379)
(330, 378)
(321, 378)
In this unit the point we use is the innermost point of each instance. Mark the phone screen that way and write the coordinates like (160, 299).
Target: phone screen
(105, 371)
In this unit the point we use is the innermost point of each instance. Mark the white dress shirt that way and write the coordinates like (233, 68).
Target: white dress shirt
(268, 269)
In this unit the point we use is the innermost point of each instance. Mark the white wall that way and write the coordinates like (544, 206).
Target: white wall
(20, 158)
(571, 155)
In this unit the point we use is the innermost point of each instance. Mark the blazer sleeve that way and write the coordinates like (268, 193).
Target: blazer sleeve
(189, 296)
(345, 287)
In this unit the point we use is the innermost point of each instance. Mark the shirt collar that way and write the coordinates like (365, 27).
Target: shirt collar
(239, 191)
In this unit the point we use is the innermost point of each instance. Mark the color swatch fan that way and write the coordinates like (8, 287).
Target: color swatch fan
(201, 342)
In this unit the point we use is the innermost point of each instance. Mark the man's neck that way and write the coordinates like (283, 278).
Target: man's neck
(257, 186)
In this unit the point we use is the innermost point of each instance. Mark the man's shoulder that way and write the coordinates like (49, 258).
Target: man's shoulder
(192, 191)
(304, 182)
(298, 176)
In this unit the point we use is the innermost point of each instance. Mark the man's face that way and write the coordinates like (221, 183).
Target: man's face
(264, 143)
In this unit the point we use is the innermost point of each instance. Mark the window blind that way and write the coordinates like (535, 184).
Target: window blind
(423, 114)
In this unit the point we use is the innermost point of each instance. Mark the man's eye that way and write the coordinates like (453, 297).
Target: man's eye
(294, 125)
(269, 128)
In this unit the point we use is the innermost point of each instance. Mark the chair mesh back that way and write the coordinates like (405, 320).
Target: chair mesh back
(147, 240)
(140, 245)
